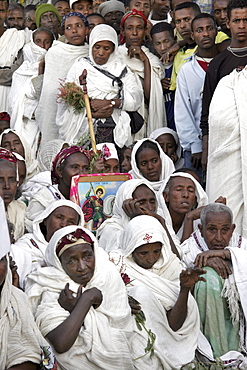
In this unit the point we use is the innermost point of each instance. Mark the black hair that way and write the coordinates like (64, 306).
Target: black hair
(189, 5)
(29, 7)
(202, 16)
(235, 4)
(15, 6)
(162, 27)
(127, 3)
(147, 144)
(43, 29)
(57, 1)
(94, 15)
(81, 1)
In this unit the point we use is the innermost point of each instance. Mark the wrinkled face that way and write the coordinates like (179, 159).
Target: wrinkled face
(113, 19)
(111, 166)
(43, 39)
(22, 171)
(49, 20)
(145, 197)
(141, 5)
(238, 26)
(217, 230)
(4, 125)
(181, 196)
(126, 164)
(161, 7)
(134, 31)
(162, 41)
(204, 33)
(3, 12)
(94, 20)
(101, 51)
(13, 143)
(183, 19)
(62, 7)
(79, 263)
(75, 164)
(30, 21)
(15, 19)
(84, 7)
(147, 255)
(3, 271)
(149, 164)
(60, 217)
(75, 30)
(220, 13)
(167, 143)
(8, 183)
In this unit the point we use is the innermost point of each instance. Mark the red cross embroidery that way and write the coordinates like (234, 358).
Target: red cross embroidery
(147, 238)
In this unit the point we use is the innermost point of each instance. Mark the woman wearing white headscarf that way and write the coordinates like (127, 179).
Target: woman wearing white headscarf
(109, 81)
(191, 197)
(166, 166)
(157, 288)
(159, 136)
(29, 251)
(105, 335)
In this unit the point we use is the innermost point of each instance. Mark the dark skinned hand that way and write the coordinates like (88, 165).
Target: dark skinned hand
(202, 258)
(189, 277)
(196, 159)
(134, 305)
(132, 208)
(15, 276)
(67, 300)
(136, 51)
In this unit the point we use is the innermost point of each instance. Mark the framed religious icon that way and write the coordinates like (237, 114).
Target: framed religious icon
(95, 194)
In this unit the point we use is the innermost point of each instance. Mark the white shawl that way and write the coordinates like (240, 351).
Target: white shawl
(16, 214)
(19, 336)
(165, 130)
(167, 166)
(72, 126)
(156, 116)
(58, 60)
(22, 98)
(29, 251)
(107, 339)
(227, 157)
(201, 197)
(178, 348)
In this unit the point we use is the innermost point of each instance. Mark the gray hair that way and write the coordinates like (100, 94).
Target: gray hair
(215, 208)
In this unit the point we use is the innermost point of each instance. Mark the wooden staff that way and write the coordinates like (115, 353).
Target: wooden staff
(83, 82)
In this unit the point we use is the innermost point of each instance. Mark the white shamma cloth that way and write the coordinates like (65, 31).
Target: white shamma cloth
(109, 338)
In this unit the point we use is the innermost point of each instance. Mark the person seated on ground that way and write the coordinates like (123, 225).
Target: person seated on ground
(108, 162)
(221, 300)
(149, 162)
(47, 16)
(84, 7)
(169, 142)
(68, 162)
(29, 251)
(15, 209)
(93, 20)
(4, 121)
(133, 198)
(112, 11)
(75, 28)
(83, 327)
(161, 286)
(180, 200)
(162, 35)
(23, 97)
(148, 69)
(126, 163)
(108, 109)
(16, 142)
(15, 16)
(29, 17)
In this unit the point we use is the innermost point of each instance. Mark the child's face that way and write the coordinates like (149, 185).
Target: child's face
(162, 41)
(83, 6)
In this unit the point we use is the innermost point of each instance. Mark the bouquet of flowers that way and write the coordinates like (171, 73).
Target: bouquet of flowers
(72, 95)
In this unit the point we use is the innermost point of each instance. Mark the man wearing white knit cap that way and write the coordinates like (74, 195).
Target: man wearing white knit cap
(113, 12)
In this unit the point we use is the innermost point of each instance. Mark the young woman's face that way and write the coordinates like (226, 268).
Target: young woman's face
(147, 255)
(145, 197)
(134, 31)
(79, 263)
(101, 51)
(75, 30)
(149, 164)
(75, 164)
(167, 144)
(43, 39)
(13, 143)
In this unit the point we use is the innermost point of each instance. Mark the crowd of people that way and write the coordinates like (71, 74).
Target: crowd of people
(155, 89)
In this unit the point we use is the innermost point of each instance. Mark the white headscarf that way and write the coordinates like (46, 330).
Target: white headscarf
(167, 166)
(111, 150)
(165, 130)
(48, 152)
(201, 197)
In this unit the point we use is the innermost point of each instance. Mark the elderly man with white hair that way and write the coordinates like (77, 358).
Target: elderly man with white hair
(221, 300)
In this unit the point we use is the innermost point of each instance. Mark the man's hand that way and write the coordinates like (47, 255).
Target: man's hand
(202, 258)
(189, 277)
(136, 51)
(166, 83)
(196, 159)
